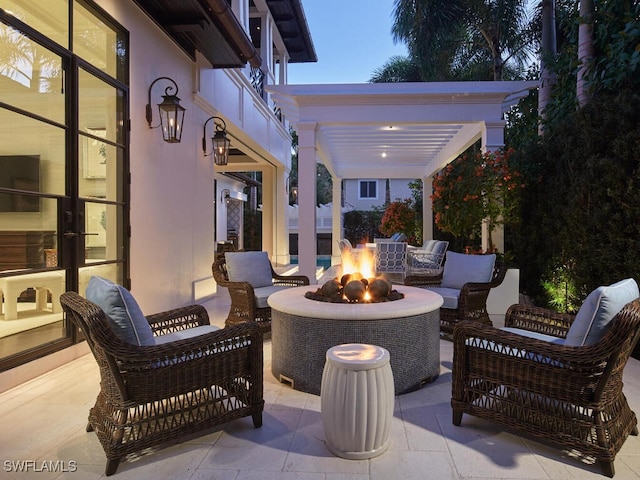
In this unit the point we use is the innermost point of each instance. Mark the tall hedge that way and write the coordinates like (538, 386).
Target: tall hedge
(581, 208)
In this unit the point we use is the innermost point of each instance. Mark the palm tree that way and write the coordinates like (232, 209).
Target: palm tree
(397, 69)
(448, 39)
(585, 49)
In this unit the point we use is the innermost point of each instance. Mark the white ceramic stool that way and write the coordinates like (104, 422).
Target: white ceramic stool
(356, 400)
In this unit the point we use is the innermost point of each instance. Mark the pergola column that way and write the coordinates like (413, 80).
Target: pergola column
(492, 140)
(307, 247)
(427, 208)
(336, 220)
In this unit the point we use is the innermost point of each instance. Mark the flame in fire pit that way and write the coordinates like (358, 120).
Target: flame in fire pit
(361, 260)
(356, 283)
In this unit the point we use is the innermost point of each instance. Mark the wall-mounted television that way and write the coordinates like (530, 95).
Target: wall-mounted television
(20, 172)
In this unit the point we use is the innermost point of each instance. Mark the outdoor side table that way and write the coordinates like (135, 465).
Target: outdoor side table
(356, 400)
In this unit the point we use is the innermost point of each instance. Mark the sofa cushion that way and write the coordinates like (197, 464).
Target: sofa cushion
(262, 294)
(460, 268)
(252, 267)
(597, 311)
(536, 335)
(184, 334)
(449, 295)
(127, 320)
(428, 245)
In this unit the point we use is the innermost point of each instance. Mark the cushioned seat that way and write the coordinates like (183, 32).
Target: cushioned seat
(250, 279)
(464, 283)
(164, 377)
(554, 376)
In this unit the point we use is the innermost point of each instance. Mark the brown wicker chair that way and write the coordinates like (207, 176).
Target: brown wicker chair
(152, 395)
(567, 396)
(243, 299)
(472, 302)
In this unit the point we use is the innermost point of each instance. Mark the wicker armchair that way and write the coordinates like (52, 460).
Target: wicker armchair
(568, 396)
(471, 301)
(248, 304)
(151, 395)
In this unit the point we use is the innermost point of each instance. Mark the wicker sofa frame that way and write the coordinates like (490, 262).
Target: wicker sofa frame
(243, 302)
(472, 304)
(570, 397)
(152, 395)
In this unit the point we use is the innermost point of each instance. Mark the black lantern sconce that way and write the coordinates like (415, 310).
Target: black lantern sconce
(220, 141)
(171, 113)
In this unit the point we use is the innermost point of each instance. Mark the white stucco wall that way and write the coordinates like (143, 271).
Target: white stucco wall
(172, 185)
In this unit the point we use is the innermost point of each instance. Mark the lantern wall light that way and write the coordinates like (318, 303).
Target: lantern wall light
(171, 112)
(220, 141)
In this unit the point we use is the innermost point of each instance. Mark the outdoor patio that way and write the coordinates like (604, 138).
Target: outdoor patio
(45, 422)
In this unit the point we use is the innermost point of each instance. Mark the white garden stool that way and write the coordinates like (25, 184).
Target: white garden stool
(356, 400)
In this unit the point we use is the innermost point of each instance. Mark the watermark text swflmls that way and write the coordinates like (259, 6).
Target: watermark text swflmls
(57, 466)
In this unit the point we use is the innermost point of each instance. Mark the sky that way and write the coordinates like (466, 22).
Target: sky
(352, 39)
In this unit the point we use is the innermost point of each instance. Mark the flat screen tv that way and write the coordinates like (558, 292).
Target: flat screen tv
(20, 172)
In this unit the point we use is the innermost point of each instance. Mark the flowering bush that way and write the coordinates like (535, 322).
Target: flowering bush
(400, 216)
(473, 189)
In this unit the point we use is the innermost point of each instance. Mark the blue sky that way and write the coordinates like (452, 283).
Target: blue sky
(352, 38)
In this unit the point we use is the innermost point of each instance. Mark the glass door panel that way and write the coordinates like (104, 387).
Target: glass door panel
(31, 77)
(51, 18)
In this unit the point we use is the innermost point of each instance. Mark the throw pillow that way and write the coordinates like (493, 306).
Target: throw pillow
(252, 267)
(127, 320)
(460, 268)
(597, 311)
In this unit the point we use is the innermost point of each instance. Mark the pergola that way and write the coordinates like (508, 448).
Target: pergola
(387, 130)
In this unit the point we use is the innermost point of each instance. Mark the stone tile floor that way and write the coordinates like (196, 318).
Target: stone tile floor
(44, 422)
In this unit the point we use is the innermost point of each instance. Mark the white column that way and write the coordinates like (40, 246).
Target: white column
(492, 140)
(337, 230)
(269, 213)
(307, 238)
(281, 220)
(427, 209)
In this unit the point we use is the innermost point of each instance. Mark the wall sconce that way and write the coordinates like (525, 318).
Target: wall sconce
(171, 113)
(220, 141)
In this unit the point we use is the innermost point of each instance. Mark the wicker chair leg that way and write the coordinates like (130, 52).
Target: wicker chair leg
(607, 469)
(457, 418)
(257, 419)
(634, 432)
(89, 427)
(112, 466)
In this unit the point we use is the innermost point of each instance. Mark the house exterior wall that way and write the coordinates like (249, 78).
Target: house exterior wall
(173, 199)
(399, 189)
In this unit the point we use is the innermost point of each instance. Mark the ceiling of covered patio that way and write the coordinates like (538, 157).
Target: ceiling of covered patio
(398, 130)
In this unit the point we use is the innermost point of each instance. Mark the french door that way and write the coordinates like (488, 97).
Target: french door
(63, 166)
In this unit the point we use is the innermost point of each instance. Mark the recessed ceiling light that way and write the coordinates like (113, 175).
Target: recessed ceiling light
(384, 154)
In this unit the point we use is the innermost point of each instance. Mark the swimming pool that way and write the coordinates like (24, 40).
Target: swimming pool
(321, 260)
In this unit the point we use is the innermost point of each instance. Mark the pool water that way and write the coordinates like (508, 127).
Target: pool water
(321, 260)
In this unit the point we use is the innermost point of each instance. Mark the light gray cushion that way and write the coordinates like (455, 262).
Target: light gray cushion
(460, 269)
(449, 295)
(597, 311)
(252, 267)
(440, 247)
(127, 320)
(183, 334)
(428, 245)
(537, 335)
(262, 294)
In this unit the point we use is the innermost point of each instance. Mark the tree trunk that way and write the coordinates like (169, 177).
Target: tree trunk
(548, 54)
(585, 49)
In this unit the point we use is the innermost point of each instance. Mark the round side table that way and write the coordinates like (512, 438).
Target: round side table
(356, 400)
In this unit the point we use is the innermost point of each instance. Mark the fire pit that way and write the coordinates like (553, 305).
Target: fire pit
(302, 330)
(354, 288)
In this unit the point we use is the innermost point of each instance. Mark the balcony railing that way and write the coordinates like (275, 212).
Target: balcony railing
(257, 81)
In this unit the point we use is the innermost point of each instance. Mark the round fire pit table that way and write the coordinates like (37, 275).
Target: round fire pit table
(302, 330)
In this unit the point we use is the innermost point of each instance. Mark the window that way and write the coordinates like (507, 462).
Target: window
(368, 189)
